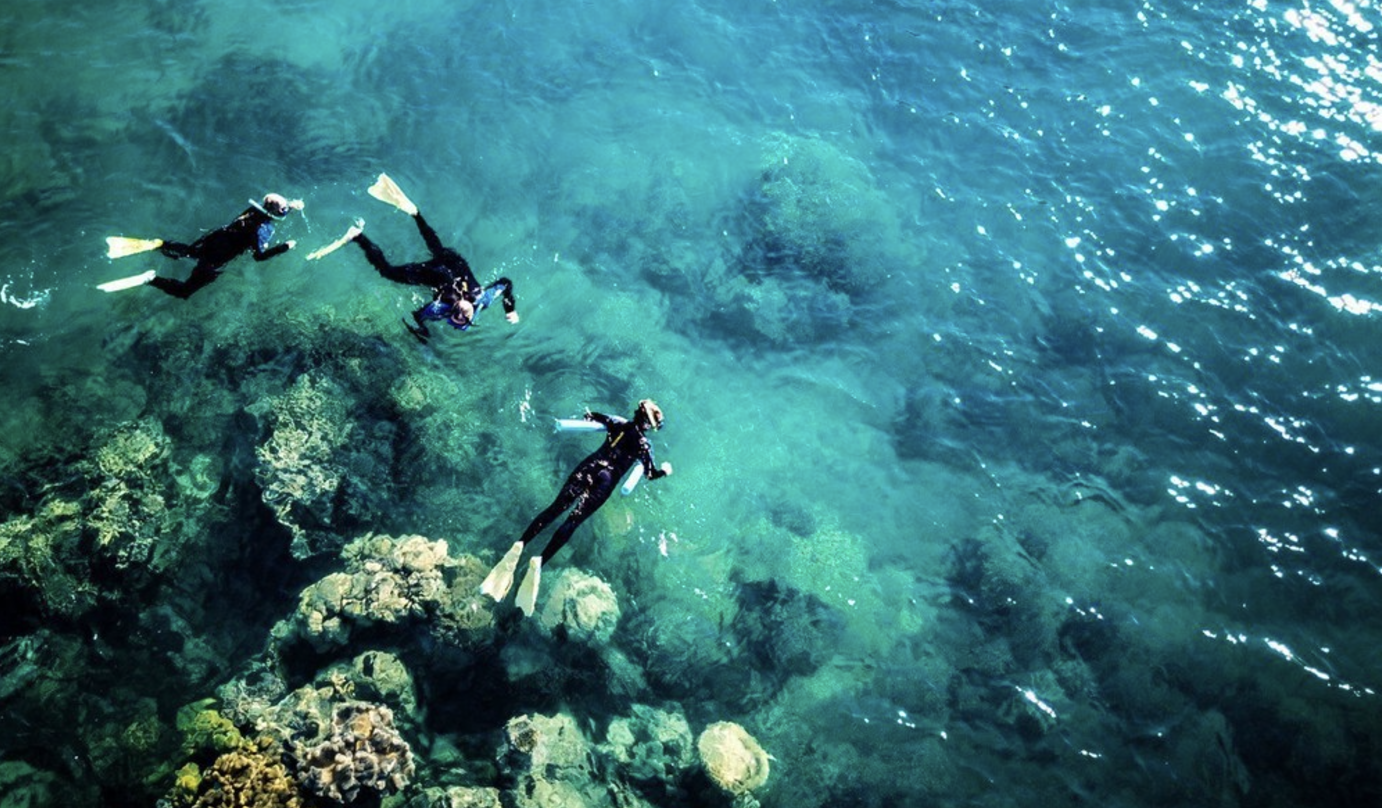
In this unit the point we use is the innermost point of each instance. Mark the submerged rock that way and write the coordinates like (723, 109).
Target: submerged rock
(456, 797)
(787, 632)
(580, 607)
(554, 766)
(651, 746)
(732, 758)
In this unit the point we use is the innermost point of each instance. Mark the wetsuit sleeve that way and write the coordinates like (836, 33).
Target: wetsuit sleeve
(505, 288)
(650, 469)
(600, 418)
(430, 237)
(262, 250)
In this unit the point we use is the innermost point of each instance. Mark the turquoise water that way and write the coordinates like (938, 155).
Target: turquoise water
(1017, 360)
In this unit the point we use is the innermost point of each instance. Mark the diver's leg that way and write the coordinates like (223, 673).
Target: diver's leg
(405, 273)
(201, 276)
(595, 496)
(429, 236)
(176, 249)
(548, 515)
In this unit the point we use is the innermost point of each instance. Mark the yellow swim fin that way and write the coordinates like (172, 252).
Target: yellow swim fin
(120, 246)
(355, 230)
(386, 190)
(500, 579)
(527, 591)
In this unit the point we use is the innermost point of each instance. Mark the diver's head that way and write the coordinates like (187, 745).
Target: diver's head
(648, 414)
(279, 205)
(462, 312)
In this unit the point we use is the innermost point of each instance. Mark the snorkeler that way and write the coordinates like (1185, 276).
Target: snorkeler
(250, 232)
(457, 297)
(589, 485)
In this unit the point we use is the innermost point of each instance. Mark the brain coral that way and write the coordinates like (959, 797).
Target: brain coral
(363, 752)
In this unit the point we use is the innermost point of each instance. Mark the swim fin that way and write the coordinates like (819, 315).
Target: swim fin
(121, 246)
(127, 283)
(386, 190)
(527, 591)
(350, 234)
(500, 579)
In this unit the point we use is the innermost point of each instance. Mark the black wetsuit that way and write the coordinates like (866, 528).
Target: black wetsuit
(446, 272)
(250, 232)
(594, 480)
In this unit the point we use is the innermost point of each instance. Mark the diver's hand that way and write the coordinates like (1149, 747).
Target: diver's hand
(667, 469)
(511, 316)
(291, 243)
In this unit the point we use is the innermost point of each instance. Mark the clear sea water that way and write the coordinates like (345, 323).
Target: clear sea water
(1033, 344)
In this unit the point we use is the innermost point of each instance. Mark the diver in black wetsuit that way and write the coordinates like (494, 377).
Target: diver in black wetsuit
(457, 297)
(250, 232)
(587, 488)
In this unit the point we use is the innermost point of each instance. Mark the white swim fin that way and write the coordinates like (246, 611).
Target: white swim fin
(127, 283)
(527, 591)
(500, 579)
(350, 234)
(386, 190)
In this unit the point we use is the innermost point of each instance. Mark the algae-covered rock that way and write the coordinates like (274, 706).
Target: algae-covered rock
(376, 676)
(123, 749)
(204, 728)
(822, 212)
(22, 785)
(787, 632)
(821, 240)
(580, 607)
(551, 763)
(732, 758)
(651, 745)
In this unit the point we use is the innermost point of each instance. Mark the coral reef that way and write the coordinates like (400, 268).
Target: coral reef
(580, 607)
(387, 582)
(319, 471)
(364, 752)
(204, 728)
(38, 571)
(732, 758)
(248, 777)
(298, 472)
